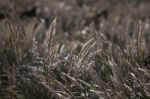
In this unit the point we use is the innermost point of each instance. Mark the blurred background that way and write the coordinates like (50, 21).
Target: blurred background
(78, 18)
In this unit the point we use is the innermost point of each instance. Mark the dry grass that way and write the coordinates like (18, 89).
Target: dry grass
(37, 63)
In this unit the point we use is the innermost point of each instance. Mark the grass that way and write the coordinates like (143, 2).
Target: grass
(37, 63)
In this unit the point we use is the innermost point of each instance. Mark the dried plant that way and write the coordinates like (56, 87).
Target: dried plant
(37, 62)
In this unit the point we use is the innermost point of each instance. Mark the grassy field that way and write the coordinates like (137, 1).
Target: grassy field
(75, 49)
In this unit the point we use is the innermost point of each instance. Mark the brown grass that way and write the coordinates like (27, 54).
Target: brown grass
(38, 63)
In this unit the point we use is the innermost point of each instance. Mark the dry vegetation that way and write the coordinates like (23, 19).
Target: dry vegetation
(82, 50)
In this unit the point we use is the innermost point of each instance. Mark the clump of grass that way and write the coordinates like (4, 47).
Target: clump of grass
(35, 64)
